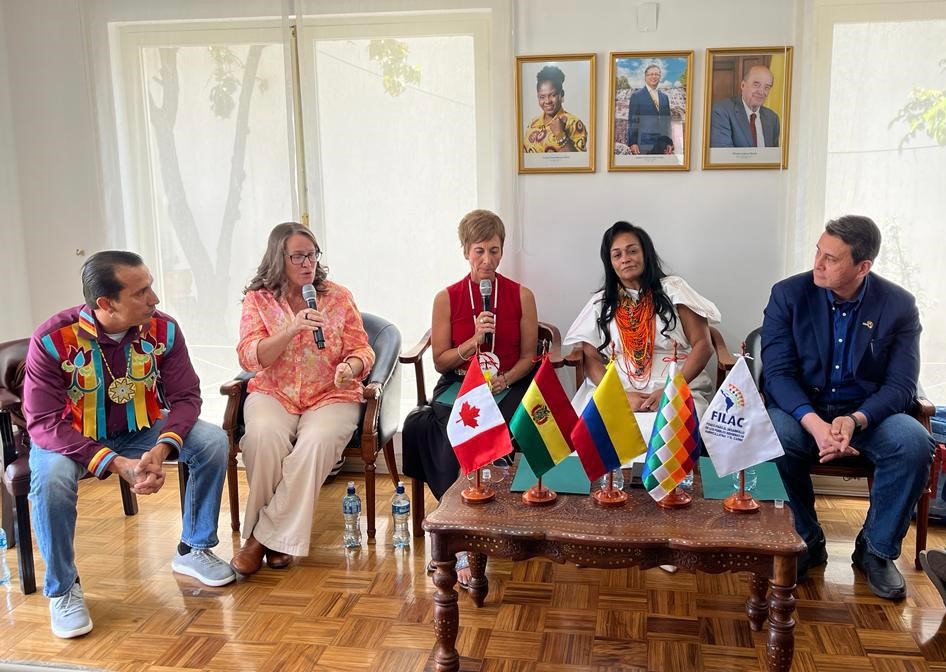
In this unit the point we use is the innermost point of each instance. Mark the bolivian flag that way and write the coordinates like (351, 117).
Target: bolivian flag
(543, 422)
(607, 434)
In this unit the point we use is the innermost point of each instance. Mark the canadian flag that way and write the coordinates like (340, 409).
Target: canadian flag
(476, 428)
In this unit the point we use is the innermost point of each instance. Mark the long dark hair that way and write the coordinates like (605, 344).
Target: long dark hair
(650, 281)
(271, 273)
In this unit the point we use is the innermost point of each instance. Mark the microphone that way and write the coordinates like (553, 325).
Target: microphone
(308, 293)
(486, 291)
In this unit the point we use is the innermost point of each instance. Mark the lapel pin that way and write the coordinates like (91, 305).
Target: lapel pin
(869, 324)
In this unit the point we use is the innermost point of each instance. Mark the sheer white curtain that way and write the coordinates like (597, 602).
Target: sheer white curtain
(400, 110)
(876, 74)
(402, 133)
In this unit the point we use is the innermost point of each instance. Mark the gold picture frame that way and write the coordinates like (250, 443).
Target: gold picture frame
(649, 121)
(740, 80)
(565, 85)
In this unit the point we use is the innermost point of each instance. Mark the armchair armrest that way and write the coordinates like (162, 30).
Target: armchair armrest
(550, 343)
(923, 410)
(234, 390)
(724, 357)
(414, 356)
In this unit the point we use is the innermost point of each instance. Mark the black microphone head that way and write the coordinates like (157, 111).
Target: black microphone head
(486, 288)
(308, 293)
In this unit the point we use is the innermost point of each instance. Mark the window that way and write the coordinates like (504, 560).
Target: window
(882, 69)
(398, 130)
(400, 148)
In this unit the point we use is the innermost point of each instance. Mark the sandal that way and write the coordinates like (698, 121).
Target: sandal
(463, 562)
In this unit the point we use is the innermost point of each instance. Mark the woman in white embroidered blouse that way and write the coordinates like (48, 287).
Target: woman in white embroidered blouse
(638, 316)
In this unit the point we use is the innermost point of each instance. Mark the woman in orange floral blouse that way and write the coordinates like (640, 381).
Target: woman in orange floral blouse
(303, 403)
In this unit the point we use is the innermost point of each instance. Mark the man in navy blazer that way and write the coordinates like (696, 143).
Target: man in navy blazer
(647, 121)
(732, 118)
(841, 359)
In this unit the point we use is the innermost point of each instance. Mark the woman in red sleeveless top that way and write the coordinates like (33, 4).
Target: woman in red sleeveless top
(505, 338)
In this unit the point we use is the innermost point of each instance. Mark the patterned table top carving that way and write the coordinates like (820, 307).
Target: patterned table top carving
(640, 523)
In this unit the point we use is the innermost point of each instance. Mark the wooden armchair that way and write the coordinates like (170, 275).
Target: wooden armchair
(376, 427)
(858, 467)
(16, 463)
(550, 342)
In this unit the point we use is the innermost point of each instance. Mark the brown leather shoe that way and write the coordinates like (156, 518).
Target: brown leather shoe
(277, 560)
(249, 558)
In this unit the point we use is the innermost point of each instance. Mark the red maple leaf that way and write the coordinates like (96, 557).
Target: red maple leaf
(469, 414)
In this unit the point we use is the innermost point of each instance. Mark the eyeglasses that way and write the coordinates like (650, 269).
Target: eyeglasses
(311, 257)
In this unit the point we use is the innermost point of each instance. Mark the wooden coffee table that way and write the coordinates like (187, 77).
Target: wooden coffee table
(700, 537)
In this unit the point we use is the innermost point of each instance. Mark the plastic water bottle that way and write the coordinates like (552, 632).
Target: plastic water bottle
(4, 568)
(687, 482)
(401, 511)
(752, 479)
(618, 480)
(351, 512)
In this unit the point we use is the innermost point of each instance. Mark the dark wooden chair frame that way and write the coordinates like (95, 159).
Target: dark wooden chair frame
(550, 342)
(377, 425)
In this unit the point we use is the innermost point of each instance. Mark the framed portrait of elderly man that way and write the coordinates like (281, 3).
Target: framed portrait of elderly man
(748, 98)
(649, 122)
(555, 113)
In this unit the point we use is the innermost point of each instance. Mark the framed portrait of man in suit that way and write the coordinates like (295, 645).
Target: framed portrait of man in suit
(555, 113)
(747, 105)
(649, 119)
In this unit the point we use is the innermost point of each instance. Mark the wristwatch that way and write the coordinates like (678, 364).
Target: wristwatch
(857, 423)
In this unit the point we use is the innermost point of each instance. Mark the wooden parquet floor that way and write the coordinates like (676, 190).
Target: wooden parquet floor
(372, 610)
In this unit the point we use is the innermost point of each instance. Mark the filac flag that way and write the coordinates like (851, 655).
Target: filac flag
(736, 429)
(606, 435)
(675, 441)
(476, 429)
(543, 423)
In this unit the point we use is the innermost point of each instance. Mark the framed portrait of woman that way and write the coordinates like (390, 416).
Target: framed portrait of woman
(649, 120)
(555, 113)
(748, 98)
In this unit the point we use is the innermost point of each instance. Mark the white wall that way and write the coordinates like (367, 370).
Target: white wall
(721, 230)
(17, 320)
(55, 149)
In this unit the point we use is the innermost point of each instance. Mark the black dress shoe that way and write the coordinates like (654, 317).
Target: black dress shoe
(882, 575)
(814, 556)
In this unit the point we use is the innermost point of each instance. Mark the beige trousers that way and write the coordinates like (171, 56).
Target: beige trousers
(287, 458)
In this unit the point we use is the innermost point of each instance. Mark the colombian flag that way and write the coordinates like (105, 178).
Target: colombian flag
(607, 434)
(543, 423)
(675, 441)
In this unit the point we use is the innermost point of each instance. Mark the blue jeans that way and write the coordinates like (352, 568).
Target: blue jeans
(54, 489)
(901, 451)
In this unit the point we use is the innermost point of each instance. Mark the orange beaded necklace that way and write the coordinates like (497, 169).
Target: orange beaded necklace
(635, 321)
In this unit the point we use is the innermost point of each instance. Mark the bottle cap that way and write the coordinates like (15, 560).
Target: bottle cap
(400, 487)
(351, 487)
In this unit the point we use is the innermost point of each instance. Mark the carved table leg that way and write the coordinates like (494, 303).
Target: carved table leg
(479, 585)
(757, 606)
(781, 645)
(446, 612)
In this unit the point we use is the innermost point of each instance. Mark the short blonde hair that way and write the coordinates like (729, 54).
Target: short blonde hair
(479, 225)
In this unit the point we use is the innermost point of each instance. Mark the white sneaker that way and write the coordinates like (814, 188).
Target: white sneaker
(203, 565)
(68, 615)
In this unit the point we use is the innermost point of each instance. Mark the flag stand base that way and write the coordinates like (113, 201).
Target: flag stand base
(610, 496)
(741, 502)
(539, 496)
(677, 499)
(481, 495)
